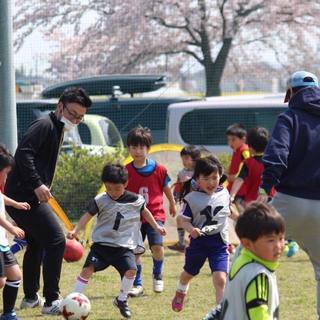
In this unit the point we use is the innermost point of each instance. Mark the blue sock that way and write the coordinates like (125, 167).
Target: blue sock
(138, 279)
(157, 268)
(19, 244)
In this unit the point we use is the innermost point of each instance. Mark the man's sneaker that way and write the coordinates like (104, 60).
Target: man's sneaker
(123, 307)
(9, 316)
(214, 314)
(158, 284)
(29, 303)
(136, 291)
(177, 247)
(53, 310)
(178, 301)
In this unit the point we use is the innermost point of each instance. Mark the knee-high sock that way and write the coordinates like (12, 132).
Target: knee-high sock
(126, 286)
(10, 292)
(138, 279)
(157, 268)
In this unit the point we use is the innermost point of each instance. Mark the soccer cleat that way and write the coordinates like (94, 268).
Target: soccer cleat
(9, 316)
(53, 310)
(178, 301)
(29, 303)
(214, 314)
(177, 247)
(123, 307)
(136, 291)
(158, 284)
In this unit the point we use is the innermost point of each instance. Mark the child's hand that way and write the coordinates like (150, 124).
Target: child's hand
(195, 233)
(172, 210)
(16, 231)
(71, 234)
(22, 206)
(161, 230)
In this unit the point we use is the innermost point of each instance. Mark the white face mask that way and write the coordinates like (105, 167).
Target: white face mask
(68, 125)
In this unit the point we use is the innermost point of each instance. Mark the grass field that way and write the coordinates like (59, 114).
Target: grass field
(295, 279)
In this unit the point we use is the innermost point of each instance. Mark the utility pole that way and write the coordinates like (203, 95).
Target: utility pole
(8, 114)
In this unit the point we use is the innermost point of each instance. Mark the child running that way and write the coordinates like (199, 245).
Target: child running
(116, 233)
(151, 180)
(204, 217)
(10, 274)
(251, 292)
(189, 155)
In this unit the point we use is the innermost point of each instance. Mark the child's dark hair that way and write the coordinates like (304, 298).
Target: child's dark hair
(259, 219)
(139, 136)
(257, 138)
(191, 151)
(204, 166)
(114, 173)
(75, 95)
(6, 158)
(237, 130)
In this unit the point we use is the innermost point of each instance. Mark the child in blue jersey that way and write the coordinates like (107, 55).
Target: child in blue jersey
(204, 217)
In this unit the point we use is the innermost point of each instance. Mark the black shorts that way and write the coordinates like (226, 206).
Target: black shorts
(101, 257)
(7, 259)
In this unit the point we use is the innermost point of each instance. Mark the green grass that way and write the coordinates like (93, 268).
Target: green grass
(295, 279)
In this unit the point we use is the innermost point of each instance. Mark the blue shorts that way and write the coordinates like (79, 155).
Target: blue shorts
(154, 238)
(207, 247)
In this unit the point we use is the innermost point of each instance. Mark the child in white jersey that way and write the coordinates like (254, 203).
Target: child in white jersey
(116, 233)
(204, 217)
(10, 274)
(251, 292)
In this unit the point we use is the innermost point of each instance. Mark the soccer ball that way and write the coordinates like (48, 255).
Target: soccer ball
(73, 250)
(75, 306)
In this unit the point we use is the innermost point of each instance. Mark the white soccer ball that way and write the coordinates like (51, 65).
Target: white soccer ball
(75, 306)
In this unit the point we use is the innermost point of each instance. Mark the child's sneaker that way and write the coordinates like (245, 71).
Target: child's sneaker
(158, 284)
(214, 313)
(9, 316)
(123, 307)
(29, 303)
(136, 291)
(53, 310)
(177, 247)
(177, 301)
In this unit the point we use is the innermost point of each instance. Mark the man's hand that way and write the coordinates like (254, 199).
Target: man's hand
(195, 233)
(72, 234)
(43, 193)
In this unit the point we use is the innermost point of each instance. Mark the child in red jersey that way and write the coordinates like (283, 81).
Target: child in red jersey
(252, 169)
(236, 135)
(151, 180)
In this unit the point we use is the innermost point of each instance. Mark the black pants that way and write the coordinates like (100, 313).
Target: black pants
(46, 243)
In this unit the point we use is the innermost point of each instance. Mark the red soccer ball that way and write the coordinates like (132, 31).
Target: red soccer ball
(73, 250)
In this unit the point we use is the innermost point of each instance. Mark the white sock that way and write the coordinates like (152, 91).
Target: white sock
(81, 284)
(182, 287)
(126, 286)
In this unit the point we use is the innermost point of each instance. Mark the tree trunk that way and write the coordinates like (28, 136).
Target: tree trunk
(214, 70)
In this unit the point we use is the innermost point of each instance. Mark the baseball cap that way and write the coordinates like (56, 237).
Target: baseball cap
(300, 79)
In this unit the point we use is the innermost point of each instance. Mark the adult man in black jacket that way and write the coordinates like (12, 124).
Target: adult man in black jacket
(30, 181)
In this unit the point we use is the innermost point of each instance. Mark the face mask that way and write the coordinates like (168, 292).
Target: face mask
(68, 125)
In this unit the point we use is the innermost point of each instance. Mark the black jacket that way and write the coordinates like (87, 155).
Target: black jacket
(36, 157)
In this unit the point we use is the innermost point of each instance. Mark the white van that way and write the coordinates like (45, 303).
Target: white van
(203, 123)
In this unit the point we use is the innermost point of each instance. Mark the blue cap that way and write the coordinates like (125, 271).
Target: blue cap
(300, 79)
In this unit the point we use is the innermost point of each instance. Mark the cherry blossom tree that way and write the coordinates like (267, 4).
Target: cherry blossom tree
(112, 36)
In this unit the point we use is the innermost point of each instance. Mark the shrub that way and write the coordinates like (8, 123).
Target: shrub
(77, 178)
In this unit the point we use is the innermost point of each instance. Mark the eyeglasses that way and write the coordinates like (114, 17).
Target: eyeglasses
(74, 115)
